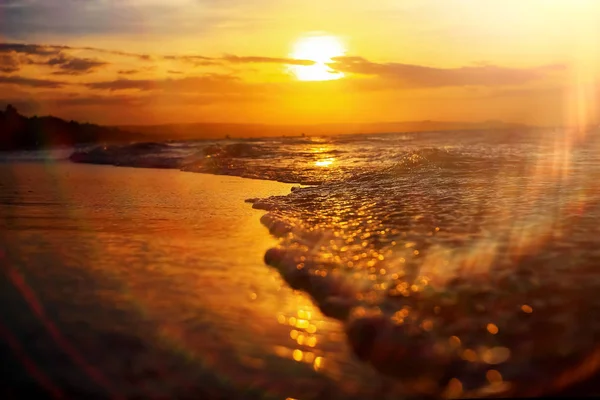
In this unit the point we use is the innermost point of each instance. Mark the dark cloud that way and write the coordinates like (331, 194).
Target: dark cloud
(74, 66)
(174, 72)
(55, 50)
(54, 55)
(207, 83)
(30, 49)
(140, 56)
(197, 60)
(128, 71)
(415, 76)
(13, 55)
(124, 84)
(9, 63)
(31, 82)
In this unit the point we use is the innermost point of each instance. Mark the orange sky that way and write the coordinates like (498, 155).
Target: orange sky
(151, 61)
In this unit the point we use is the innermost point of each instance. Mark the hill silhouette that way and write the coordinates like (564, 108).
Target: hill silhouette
(18, 132)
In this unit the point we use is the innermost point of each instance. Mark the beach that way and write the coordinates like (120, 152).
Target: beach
(144, 283)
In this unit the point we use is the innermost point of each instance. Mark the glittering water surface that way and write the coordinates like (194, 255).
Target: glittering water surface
(459, 264)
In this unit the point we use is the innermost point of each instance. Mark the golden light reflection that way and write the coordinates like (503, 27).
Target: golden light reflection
(527, 309)
(309, 357)
(492, 328)
(454, 341)
(297, 355)
(325, 162)
(496, 355)
(304, 323)
(469, 355)
(454, 389)
(318, 364)
(493, 376)
(321, 49)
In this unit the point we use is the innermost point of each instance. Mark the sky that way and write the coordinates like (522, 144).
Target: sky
(290, 62)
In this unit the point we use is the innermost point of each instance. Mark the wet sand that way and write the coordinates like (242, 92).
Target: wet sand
(142, 283)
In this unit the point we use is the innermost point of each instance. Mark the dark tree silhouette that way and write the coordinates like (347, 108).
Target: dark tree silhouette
(18, 132)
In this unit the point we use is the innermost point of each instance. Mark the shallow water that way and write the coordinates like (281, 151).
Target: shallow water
(151, 283)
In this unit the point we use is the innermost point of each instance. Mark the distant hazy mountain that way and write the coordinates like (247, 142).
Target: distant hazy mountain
(221, 130)
(18, 132)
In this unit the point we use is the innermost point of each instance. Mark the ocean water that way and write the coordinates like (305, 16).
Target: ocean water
(459, 263)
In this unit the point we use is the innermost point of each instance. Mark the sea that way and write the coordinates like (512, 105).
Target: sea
(462, 264)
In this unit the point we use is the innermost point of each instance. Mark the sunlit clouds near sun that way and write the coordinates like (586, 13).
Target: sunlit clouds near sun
(321, 49)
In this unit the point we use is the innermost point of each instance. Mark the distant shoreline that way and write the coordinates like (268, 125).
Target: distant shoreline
(18, 132)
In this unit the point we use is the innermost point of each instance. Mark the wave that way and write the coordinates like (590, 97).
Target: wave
(141, 155)
(258, 160)
(444, 269)
(461, 266)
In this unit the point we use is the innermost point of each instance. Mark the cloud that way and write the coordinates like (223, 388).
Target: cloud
(124, 84)
(9, 64)
(193, 59)
(74, 66)
(150, 99)
(128, 71)
(53, 50)
(24, 18)
(45, 51)
(233, 59)
(206, 83)
(129, 101)
(417, 76)
(255, 59)
(30, 49)
(31, 82)
(140, 56)
(13, 55)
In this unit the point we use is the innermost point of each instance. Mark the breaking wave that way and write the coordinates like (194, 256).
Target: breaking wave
(444, 268)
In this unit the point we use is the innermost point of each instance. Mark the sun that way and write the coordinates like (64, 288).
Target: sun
(320, 49)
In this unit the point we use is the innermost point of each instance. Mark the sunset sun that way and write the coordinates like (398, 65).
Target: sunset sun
(321, 50)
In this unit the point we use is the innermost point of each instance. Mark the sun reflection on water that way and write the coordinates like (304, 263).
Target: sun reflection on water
(324, 162)
(305, 332)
